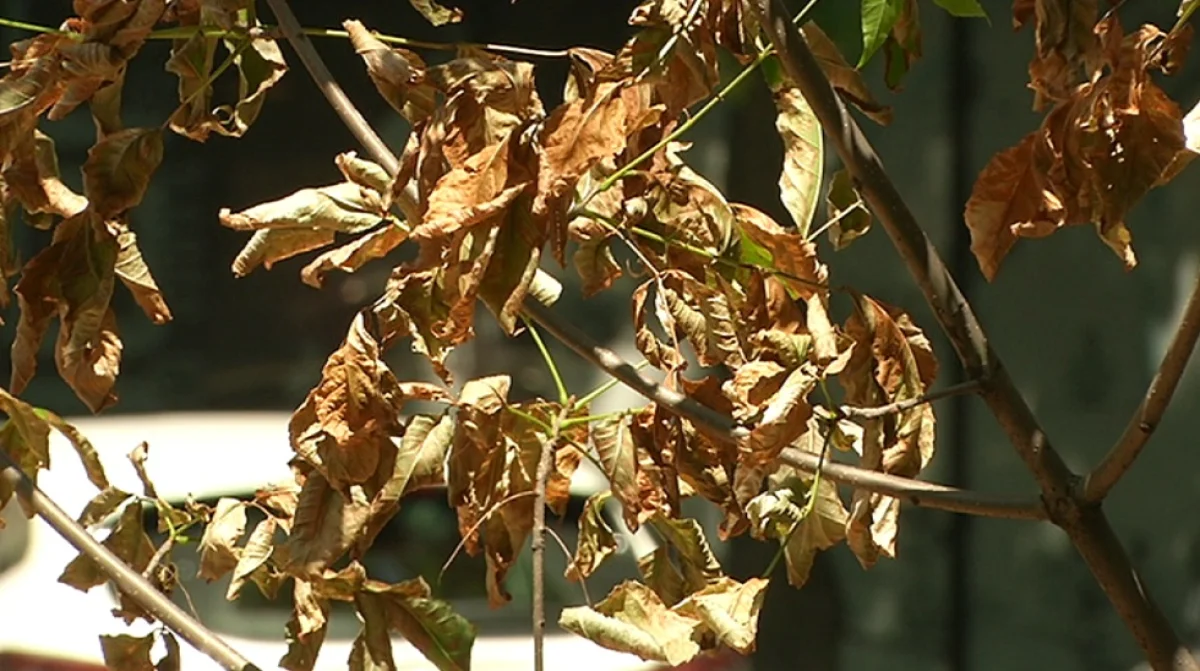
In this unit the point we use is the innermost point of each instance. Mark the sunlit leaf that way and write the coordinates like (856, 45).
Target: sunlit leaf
(878, 19)
(729, 609)
(966, 8)
(633, 619)
(436, 13)
(803, 157)
(344, 207)
(398, 74)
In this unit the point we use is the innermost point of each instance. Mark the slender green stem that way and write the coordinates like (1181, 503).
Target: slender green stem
(604, 388)
(529, 418)
(576, 421)
(563, 397)
(34, 28)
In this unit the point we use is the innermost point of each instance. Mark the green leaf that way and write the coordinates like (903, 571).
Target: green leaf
(967, 8)
(878, 18)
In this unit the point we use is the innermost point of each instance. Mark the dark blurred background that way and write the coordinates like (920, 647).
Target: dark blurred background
(1080, 336)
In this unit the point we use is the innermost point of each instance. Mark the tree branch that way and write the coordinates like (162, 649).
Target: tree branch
(130, 582)
(1158, 396)
(538, 548)
(1084, 523)
(916, 492)
(968, 387)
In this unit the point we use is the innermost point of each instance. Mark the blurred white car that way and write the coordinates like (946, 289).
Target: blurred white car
(48, 626)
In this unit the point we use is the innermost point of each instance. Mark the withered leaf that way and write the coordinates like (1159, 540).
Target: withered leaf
(844, 77)
(803, 155)
(133, 272)
(470, 195)
(846, 209)
(26, 439)
(778, 514)
(83, 447)
(119, 167)
(596, 540)
(346, 207)
(618, 455)
(306, 628)
(102, 505)
(633, 619)
(327, 523)
(127, 541)
(258, 549)
(436, 13)
(218, 554)
(697, 562)
(353, 255)
(398, 74)
(123, 652)
(593, 259)
(431, 625)
(729, 609)
(271, 245)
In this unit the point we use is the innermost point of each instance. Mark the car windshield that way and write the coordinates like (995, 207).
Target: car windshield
(416, 542)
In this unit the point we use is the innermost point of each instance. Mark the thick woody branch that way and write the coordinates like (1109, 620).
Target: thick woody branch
(128, 581)
(1158, 396)
(1084, 523)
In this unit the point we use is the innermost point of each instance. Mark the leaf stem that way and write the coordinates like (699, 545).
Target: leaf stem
(603, 389)
(563, 397)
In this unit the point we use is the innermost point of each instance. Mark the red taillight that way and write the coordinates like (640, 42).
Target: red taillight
(15, 661)
(721, 660)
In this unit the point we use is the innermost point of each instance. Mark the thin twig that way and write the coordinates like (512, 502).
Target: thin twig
(1083, 522)
(538, 548)
(968, 387)
(1158, 396)
(918, 492)
(562, 545)
(127, 580)
(162, 551)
